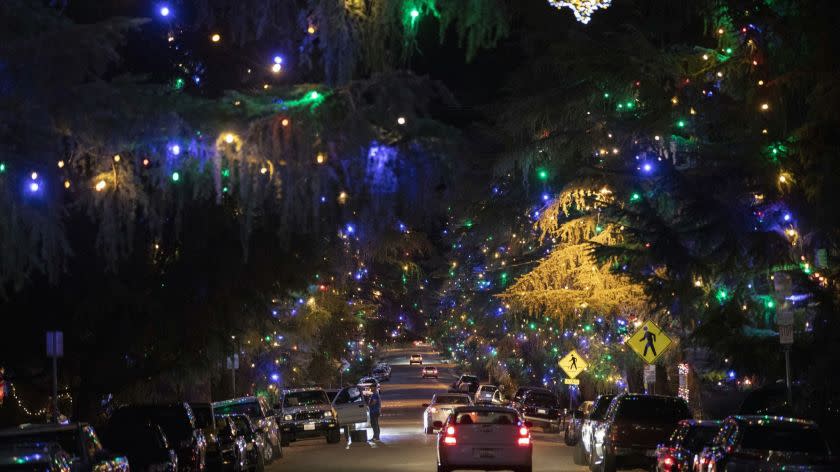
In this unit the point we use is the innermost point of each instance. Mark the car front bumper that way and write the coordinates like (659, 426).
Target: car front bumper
(308, 429)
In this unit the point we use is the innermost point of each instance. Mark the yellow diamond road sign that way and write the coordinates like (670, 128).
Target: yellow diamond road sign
(649, 342)
(572, 364)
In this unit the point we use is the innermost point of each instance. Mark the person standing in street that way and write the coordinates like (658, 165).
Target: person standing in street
(375, 404)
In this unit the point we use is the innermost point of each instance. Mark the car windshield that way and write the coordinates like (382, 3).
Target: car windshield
(203, 416)
(648, 409)
(469, 379)
(252, 409)
(786, 438)
(452, 400)
(68, 440)
(313, 397)
(486, 417)
(599, 409)
(541, 399)
(699, 437)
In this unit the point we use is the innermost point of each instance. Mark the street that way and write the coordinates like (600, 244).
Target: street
(404, 446)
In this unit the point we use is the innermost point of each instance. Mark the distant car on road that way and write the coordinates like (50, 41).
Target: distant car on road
(79, 441)
(633, 427)
(465, 384)
(307, 413)
(38, 457)
(415, 359)
(748, 443)
(484, 438)
(590, 423)
(429, 372)
(261, 415)
(680, 450)
(441, 406)
(488, 394)
(381, 374)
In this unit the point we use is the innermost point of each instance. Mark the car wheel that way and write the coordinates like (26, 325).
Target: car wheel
(333, 437)
(579, 456)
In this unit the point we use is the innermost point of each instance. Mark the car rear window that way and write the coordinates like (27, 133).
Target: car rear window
(486, 417)
(600, 407)
(252, 409)
(652, 409)
(699, 437)
(68, 440)
(541, 399)
(786, 438)
(315, 397)
(452, 400)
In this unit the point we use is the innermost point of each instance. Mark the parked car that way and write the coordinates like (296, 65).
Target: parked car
(441, 406)
(350, 408)
(367, 384)
(257, 450)
(767, 443)
(482, 438)
(574, 423)
(415, 359)
(522, 390)
(232, 446)
(205, 421)
(143, 443)
(465, 384)
(541, 409)
(38, 457)
(487, 394)
(429, 372)
(261, 414)
(79, 441)
(688, 440)
(590, 423)
(178, 423)
(632, 428)
(307, 413)
(381, 374)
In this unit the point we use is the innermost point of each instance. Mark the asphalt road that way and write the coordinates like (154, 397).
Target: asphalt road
(404, 446)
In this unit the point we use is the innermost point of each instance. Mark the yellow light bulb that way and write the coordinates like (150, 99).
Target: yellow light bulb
(216, 37)
(66, 184)
(720, 31)
(229, 138)
(310, 29)
(117, 158)
(100, 186)
(760, 83)
(320, 158)
(60, 164)
(276, 68)
(782, 178)
(765, 106)
(285, 122)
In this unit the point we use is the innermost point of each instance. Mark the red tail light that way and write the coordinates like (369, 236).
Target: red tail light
(668, 463)
(524, 438)
(449, 439)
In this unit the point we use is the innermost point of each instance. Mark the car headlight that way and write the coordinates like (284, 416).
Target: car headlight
(327, 414)
(287, 417)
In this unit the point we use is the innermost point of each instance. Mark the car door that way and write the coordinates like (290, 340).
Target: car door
(350, 406)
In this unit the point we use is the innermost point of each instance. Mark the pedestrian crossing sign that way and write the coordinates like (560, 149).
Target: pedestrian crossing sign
(649, 342)
(572, 364)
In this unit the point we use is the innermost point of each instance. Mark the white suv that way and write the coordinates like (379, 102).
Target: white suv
(415, 359)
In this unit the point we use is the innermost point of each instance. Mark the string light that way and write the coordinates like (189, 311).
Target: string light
(60, 164)
(230, 138)
(100, 186)
(583, 9)
(216, 37)
(117, 158)
(401, 120)
(164, 11)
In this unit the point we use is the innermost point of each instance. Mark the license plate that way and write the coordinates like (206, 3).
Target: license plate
(309, 427)
(542, 412)
(484, 453)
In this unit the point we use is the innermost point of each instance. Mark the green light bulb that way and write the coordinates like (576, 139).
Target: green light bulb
(2, 167)
(542, 174)
(635, 197)
(606, 95)
(415, 13)
(176, 176)
(681, 124)
(728, 50)
(314, 95)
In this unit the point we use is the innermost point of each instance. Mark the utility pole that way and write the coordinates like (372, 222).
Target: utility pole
(233, 364)
(55, 349)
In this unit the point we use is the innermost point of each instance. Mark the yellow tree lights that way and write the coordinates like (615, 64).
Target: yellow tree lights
(583, 9)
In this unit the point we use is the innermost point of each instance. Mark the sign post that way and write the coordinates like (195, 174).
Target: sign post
(233, 364)
(572, 364)
(55, 349)
(784, 319)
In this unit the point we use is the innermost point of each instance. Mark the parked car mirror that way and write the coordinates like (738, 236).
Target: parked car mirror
(438, 424)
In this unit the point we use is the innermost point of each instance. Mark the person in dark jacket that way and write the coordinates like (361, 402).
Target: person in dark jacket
(375, 404)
